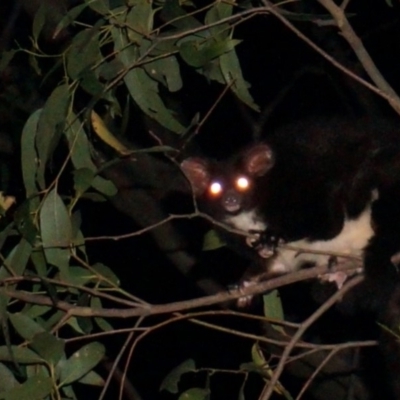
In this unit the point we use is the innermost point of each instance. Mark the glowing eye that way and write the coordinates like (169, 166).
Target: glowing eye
(215, 188)
(242, 183)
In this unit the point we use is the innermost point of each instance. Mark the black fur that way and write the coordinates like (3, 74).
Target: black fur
(325, 172)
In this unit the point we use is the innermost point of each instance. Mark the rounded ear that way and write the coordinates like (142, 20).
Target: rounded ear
(197, 172)
(258, 159)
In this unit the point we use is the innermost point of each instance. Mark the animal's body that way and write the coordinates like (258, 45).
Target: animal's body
(327, 185)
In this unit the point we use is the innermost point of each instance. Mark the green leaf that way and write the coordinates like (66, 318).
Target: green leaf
(171, 381)
(56, 230)
(84, 52)
(105, 326)
(92, 378)
(172, 11)
(37, 370)
(34, 388)
(23, 219)
(220, 10)
(36, 310)
(21, 355)
(69, 393)
(81, 362)
(80, 276)
(6, 57)
(50, 127)
(195, 394)
(140, 20)
(26, 327)
(83, 179)
(90, 83)
(17, 259)
(273, 308)
(81, 155)
(7, 379)
(232, 72)
(197, 54)
(28, 153)
(48, 347)
(142, 88)
(69, 18)
(107, 273)
(73, 323)
(166, 71)
(212, 241)
(39, 21)
(100, 6)
(39, 262)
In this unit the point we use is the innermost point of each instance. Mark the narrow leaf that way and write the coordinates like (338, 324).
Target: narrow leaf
(28, 153)
(81, 155)
(142, 88)
(50, 127)
(56, 230)
(232, 72)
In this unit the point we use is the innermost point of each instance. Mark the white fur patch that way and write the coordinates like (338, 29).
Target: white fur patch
(352, 240)
(246, 221)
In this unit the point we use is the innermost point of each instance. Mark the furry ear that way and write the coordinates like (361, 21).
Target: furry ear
(197, 172)
(258, 159)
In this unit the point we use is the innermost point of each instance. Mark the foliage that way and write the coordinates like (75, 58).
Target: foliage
(141, 46)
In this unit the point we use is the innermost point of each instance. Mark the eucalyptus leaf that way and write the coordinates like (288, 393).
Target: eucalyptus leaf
(48, 347)
(56, 230)
(232, 73)
(39, 20)
(107, 273)
(140, 20)
(105, 326)
(28, 153)
(17, 260)
(196, 53)
(178, 17)
(26, 327)
(166, 71)
(273, 308)
(142, 88)
(69, 18)
(81, 362)
(22, 355)
(92, 378)
(23, 218)
(171, 381)
(50, 127)
(195, 394)
(5, 59)
(100, 6)
(216, 13)
(34, 388)
(83, 179)
(81, 155)
(7, 379)
(83, 52)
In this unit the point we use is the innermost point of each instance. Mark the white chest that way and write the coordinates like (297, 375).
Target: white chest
(352, 240)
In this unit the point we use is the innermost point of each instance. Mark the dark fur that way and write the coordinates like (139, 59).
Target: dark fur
(324, 172)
